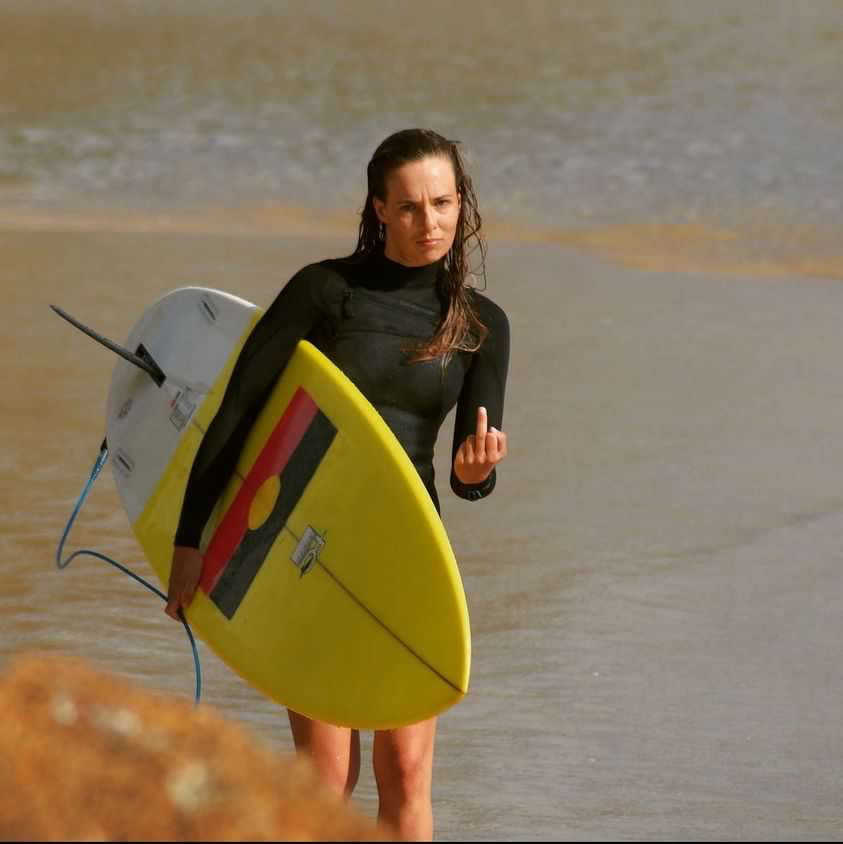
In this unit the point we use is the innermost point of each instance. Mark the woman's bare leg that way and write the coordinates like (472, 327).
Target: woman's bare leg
(335, 751)
(403, 760)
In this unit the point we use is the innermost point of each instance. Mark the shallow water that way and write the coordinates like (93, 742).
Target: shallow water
(654, 589)
(654, 586)
(569, 111)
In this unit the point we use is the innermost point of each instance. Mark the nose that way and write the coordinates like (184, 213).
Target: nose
(428, 217)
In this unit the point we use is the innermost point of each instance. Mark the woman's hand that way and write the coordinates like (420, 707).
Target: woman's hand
(184, 578)
(480, 452)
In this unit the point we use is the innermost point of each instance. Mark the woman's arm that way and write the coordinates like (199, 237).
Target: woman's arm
(479, 443)
(264, 355)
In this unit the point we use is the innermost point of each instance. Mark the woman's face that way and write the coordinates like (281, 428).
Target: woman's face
(420, 211)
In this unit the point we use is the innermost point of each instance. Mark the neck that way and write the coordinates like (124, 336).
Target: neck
(392, 255)
(389, 274)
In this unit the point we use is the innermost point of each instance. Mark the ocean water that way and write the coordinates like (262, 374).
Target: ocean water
(568, 111)
(654, 587)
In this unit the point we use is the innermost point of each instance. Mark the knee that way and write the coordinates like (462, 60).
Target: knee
(404, 776)
(334, 752)
(339, 774)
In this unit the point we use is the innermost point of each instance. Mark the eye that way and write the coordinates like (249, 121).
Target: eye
(442, 202)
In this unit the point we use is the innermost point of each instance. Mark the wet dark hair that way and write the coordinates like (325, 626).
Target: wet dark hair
(460, 329)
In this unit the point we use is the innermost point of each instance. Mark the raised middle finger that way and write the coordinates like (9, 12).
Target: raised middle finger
(482, 424)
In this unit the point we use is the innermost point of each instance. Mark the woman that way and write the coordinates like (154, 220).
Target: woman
(398, 317)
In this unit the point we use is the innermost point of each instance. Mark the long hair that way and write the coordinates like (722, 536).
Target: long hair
(460, 329)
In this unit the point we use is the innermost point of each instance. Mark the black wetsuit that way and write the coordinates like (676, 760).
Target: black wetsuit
(363, 315)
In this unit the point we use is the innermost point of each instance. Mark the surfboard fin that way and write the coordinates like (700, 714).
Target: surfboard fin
(140, 358)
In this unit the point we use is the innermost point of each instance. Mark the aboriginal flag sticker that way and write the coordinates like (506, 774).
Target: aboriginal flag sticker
(268, 495)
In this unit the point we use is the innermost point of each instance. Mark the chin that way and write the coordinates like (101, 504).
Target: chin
(432, 254)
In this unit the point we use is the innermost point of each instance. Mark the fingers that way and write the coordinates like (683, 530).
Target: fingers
(473, 450)
(176, 599)
(491, 447)
(500, 443)
(173, 594)
(476, 443)
(185, 574)
(177, 603)
(482, 424)
(486, 446)
(494, 447)
(475, 459)
(480, 452)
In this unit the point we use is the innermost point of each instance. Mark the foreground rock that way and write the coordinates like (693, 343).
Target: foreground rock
(85, 756)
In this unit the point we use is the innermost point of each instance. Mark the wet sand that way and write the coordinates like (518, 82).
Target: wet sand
(654, 587)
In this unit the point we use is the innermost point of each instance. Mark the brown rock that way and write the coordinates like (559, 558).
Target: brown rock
(85, 756)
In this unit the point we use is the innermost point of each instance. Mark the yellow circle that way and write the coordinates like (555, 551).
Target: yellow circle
(264, 501)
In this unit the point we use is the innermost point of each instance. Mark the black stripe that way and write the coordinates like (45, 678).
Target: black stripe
(250, 554)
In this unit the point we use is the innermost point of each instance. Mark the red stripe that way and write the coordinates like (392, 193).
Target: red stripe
(282, 442)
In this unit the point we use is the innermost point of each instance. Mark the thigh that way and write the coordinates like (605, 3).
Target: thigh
(335, 750)
(405, 755)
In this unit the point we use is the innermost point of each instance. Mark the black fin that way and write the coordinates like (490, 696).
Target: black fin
(142, 358)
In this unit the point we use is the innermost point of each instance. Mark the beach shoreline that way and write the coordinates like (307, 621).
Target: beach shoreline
(652, 587)
(756, 243)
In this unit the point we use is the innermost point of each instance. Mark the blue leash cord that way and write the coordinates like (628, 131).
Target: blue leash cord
(102, 459)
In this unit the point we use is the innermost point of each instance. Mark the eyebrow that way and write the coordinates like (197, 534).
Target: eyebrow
(435, 199)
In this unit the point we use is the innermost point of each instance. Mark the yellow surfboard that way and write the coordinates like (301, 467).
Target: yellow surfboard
(328, 582)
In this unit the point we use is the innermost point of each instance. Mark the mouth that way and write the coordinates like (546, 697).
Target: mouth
(429, 241)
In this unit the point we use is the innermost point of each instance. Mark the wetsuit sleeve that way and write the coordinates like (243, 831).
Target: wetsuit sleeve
(484, 386)
(265, 353)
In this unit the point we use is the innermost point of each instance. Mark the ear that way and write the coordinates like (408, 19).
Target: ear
(379, 205)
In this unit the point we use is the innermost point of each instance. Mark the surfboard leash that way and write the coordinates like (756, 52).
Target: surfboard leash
(100, 462)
